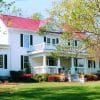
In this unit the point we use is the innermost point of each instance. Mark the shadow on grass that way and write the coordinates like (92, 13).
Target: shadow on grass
(52, 93)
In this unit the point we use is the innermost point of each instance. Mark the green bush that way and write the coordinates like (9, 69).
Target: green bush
(40, 77)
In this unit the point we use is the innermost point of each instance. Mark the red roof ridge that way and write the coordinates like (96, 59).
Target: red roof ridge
(23, 23)
(20, 17)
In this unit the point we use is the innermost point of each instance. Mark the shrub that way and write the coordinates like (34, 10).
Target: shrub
(20, 76)
(98, 75)
(57, 78)
(40, 77)
(91, 77)
(16, 75)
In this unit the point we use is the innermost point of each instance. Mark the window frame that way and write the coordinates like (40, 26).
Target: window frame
(54, 63)
(4, 61)
(23, 42)
(26, 42)
(23, 62)
(91, 64)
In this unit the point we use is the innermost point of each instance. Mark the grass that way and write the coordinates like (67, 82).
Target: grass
(51, 91)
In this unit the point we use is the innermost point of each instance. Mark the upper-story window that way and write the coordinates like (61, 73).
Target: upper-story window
(69, 42)
(51, 41)
(72, 43)
(75, 42)
(26, 40)
(57, 40)
(48, 40)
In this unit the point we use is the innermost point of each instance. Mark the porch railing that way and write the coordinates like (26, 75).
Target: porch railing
(79, 69)
(43, 46)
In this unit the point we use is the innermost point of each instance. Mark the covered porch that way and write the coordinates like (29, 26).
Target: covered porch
(44, 63)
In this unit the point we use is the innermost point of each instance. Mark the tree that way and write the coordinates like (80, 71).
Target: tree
(81, 16)
(36, 16)
(9, 8)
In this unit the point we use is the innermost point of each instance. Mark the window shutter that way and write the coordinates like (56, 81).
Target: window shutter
(22, 66)
(94, 64)
(5, 61)
(21, 40)
(75, 62)
(45, 39)
(75, 42)
(89, 63)
(31, 39)
(57, 40)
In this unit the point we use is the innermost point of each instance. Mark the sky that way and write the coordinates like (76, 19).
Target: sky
(31, 6)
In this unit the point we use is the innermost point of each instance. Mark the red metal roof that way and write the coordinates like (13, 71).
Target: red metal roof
(80, 35)
(23, 23)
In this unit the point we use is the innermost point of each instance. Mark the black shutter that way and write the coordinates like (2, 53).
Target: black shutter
(57, 40)
(31, 39)
(75, 42)
(5, 61)
(21, 40)
(89, 63)
(94, 64)
(22, 66)
(45, 39)
(75, 62)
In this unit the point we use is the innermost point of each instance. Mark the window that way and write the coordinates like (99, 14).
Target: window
(48, 40)
(26, 40)
(24, 62)
(91, 64)
(75, 43)
(68, 42)
(53, 41)
(75, 62)
(51, 61)
(45, 39)
(57, 40)
(3, 61)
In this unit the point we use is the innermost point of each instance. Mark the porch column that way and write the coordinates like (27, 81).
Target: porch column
(72, 66)
(44, 63)
(85, 65)
(58, 64)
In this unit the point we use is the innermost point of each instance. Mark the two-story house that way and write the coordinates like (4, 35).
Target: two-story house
(21, 46)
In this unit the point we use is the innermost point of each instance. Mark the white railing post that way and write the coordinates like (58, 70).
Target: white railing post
(44, 63)
(58, 64)
(72, 66)
(85, 65)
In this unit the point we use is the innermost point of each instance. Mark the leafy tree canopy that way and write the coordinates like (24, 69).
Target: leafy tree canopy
(82, 16)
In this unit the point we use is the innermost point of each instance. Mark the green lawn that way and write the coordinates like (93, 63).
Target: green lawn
(51, 91)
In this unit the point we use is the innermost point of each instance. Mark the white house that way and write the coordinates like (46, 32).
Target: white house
(21, 45)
